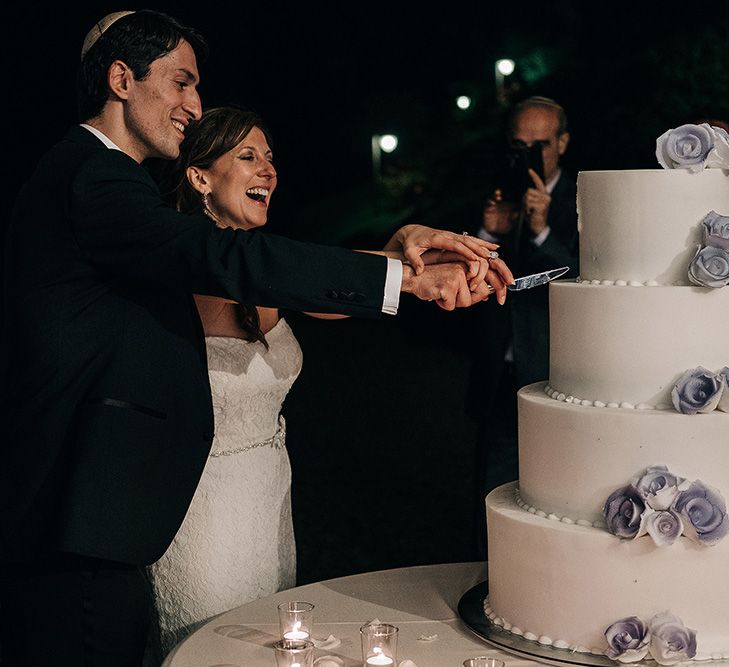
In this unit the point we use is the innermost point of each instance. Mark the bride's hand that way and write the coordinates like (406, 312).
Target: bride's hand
(414, 240)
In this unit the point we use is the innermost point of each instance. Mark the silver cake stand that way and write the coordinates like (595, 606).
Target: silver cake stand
(470, 609)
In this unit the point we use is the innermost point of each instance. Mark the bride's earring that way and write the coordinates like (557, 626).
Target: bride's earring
(209, 212)
(206, 205)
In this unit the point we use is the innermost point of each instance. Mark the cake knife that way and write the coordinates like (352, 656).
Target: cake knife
(536, 279)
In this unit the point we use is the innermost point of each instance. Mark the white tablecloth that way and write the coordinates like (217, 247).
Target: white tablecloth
(421, 601)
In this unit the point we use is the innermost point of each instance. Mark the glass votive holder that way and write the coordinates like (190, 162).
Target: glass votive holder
(296, 620)
(294, 653)
(483, 661)
(379, 644)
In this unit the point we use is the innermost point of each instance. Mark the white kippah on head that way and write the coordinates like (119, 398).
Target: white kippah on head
(99, 29)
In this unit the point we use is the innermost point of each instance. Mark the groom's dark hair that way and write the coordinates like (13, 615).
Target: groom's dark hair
(137, 39)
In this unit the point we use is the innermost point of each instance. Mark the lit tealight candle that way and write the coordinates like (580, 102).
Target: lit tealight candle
(296, 632)
(380, 658)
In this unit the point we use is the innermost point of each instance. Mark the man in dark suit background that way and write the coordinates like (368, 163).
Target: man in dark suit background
(106, 400)
(536, 227)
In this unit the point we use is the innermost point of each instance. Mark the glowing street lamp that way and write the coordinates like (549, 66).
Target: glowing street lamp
(388, 142)
(380, 143)
(502, 68)
(463, 102)
(505, 66)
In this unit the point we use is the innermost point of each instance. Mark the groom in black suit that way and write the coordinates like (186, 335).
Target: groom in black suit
(106, 402)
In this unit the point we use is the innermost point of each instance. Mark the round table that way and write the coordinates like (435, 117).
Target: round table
(421, 601)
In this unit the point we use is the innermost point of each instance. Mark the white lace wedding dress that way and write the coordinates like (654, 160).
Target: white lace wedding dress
(236, 543)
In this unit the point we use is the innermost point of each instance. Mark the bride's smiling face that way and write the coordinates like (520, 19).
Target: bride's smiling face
(241, 183)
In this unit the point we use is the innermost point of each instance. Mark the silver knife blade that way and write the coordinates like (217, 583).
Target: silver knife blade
(536, 279)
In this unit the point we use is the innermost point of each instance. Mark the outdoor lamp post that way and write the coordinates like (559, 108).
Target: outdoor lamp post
(381, 143)
(502, 68)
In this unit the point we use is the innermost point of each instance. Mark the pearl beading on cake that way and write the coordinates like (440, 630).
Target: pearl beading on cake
(544, 640)
(619, 283)
(554, 517)
(568, 398)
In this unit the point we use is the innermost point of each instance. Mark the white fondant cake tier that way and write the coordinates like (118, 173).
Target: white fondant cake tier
(572, 457)
(565, 584)
(628, 345)
(644, 225)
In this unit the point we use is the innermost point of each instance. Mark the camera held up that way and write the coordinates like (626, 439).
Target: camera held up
(519, 159)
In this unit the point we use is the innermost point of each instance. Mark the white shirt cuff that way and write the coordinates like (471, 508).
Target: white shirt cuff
(542, 236)
(393, 283)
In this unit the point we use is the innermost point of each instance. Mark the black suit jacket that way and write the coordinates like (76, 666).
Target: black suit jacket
(106, 401)
(524, 319)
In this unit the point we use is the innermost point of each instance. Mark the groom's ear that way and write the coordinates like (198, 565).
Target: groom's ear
(119, 79)
(198, 179)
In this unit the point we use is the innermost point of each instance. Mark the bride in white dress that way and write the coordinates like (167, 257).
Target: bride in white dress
(236, 543)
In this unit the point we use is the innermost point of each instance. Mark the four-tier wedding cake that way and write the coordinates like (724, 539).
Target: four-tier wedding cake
(611, 542)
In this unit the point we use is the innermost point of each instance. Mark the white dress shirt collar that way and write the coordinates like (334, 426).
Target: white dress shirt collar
(101, 136)
(553, 181)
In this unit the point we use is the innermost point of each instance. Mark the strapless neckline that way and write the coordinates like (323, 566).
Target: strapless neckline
(274, 331)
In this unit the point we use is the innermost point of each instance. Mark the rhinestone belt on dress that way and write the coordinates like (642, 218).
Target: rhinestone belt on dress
(277, 440)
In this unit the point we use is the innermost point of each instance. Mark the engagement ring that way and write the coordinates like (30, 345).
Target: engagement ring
(493, 254)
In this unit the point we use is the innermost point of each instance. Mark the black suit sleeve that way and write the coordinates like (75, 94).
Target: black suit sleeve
(123, 227)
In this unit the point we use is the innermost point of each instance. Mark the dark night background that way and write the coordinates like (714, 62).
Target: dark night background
(381, 447)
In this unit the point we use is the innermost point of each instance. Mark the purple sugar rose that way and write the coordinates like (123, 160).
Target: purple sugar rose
(622, 512)
(723, 404)
(710, 267)
(719, 157)
(664, 526)
(697, 390)
(627, 640)
(670, 640)
(703, 511)
(657, 487)
(716, 230)
(687, 146)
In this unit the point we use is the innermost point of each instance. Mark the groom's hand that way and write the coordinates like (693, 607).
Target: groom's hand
(493, 271)
(446, 284)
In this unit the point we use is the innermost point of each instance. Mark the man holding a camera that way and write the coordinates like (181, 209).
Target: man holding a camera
(532, 214)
